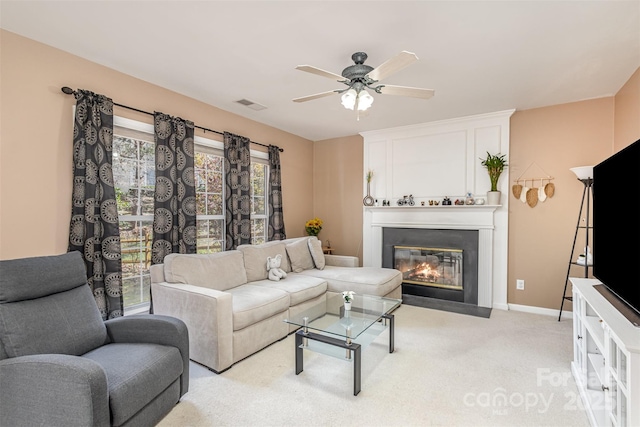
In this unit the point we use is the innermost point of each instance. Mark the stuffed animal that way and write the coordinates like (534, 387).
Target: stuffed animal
(273, 266)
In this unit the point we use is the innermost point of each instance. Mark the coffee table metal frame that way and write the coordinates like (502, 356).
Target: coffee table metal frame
(353, 349)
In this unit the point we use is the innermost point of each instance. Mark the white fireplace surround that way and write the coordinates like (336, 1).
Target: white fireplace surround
(436, 160)
(439, 217)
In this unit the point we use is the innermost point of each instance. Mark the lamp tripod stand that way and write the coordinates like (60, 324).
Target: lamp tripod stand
(587, 195)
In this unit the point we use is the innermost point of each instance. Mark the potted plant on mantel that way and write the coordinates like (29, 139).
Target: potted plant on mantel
(495, 164)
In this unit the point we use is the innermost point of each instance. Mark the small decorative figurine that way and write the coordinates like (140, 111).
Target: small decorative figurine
(469, 200)
(446, 201)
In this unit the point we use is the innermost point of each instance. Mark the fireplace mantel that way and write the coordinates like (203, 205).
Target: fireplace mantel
(467, 217)
(472, 217)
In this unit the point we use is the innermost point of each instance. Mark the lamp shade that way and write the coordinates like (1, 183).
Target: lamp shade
(364, 100)
(349, 99)
(583, 172)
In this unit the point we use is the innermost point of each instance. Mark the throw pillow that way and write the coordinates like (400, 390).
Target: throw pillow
(315, 247)
(300, 256)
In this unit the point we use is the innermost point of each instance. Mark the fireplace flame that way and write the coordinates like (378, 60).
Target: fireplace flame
(423, 271)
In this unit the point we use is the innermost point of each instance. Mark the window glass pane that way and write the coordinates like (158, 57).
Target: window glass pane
(210, 235)
(258, 188)
(258, 231)
(209, 204)
(135, 243)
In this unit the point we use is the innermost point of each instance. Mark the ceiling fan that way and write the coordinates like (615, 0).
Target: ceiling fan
(359, 77)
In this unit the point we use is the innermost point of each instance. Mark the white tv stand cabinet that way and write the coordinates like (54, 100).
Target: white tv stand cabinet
(606, 358)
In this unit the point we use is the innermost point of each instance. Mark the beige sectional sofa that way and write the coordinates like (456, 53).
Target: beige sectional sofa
(232, 309)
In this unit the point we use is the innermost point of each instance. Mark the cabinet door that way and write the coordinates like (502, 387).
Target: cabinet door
(617, 383)
(579, 349)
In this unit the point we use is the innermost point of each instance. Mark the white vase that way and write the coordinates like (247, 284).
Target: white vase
(347, 306)
(493, 197)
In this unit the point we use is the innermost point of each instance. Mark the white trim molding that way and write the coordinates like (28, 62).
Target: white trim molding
(432, 161)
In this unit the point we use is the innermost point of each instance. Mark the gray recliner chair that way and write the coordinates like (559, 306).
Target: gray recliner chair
(62, 365)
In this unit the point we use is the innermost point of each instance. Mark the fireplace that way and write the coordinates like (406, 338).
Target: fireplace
(488, 252)
(435, 263)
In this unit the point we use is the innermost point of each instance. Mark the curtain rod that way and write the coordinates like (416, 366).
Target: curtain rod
(67, 90)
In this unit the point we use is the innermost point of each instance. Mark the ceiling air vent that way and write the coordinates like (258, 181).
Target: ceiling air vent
(251, 104)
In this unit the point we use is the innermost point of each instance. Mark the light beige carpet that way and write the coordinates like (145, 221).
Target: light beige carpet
(448, 369)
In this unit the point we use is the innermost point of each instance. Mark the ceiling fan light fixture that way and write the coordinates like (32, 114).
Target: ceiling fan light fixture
(349, 99)
(364, 100)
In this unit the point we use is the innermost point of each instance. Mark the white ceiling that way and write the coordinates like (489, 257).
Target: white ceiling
(479, 56)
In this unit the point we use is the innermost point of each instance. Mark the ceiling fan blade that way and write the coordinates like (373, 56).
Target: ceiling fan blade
(315, 96)
(413, 92)
(393, 65)
(320, 72)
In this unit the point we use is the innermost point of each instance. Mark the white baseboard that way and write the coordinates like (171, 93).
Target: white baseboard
(540, 310)
(500, 306)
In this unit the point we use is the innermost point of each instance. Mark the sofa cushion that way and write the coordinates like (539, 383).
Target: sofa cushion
(219, 271)
(136, 374)
(300, 288)
(299, 255)
(315, 247)
(252, 303)
(255, 259)
(361, 280)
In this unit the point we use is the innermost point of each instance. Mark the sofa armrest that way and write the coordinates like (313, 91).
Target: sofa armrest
(208, 314)
(53, 390)
(342, 261)
(154, 329)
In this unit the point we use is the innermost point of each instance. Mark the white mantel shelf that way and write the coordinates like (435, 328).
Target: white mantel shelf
(474, 217)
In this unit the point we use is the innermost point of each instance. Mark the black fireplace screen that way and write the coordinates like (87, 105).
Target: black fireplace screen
(436, 267)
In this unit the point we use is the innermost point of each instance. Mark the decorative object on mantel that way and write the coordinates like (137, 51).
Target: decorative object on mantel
(313, 226)
(446, 201)
(347, 296)
(529, 193)
(495, 164)
(469, 200)
(406, 201)
(368, 200)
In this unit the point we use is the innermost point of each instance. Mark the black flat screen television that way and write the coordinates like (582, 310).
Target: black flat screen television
(616, 226)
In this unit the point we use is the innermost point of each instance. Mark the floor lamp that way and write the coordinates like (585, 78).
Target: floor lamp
(585, 175)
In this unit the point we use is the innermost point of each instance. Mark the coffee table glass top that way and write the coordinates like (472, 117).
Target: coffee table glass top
(330, 317)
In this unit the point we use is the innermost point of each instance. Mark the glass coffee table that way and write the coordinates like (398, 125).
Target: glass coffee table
(330, 329)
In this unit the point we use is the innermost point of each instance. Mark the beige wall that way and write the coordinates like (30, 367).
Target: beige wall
(550, 141)
(627, 113)
(36, 135)
(337, 195)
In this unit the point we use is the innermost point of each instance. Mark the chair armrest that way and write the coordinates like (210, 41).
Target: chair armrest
(153, 329)
(342, 260)
(208, 314)
(53, 390)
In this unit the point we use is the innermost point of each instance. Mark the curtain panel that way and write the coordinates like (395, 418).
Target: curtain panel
(237, 162)
(276, 217)
(94, 229)
(174, 216)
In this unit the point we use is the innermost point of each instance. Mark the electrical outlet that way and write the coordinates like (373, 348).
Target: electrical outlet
(520, 284)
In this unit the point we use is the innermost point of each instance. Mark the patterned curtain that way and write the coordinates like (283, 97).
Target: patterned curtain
(276, 218)
(237, 160)
(174, 217)
(94, 229)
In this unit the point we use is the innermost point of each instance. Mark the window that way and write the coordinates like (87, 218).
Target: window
(134, 176)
